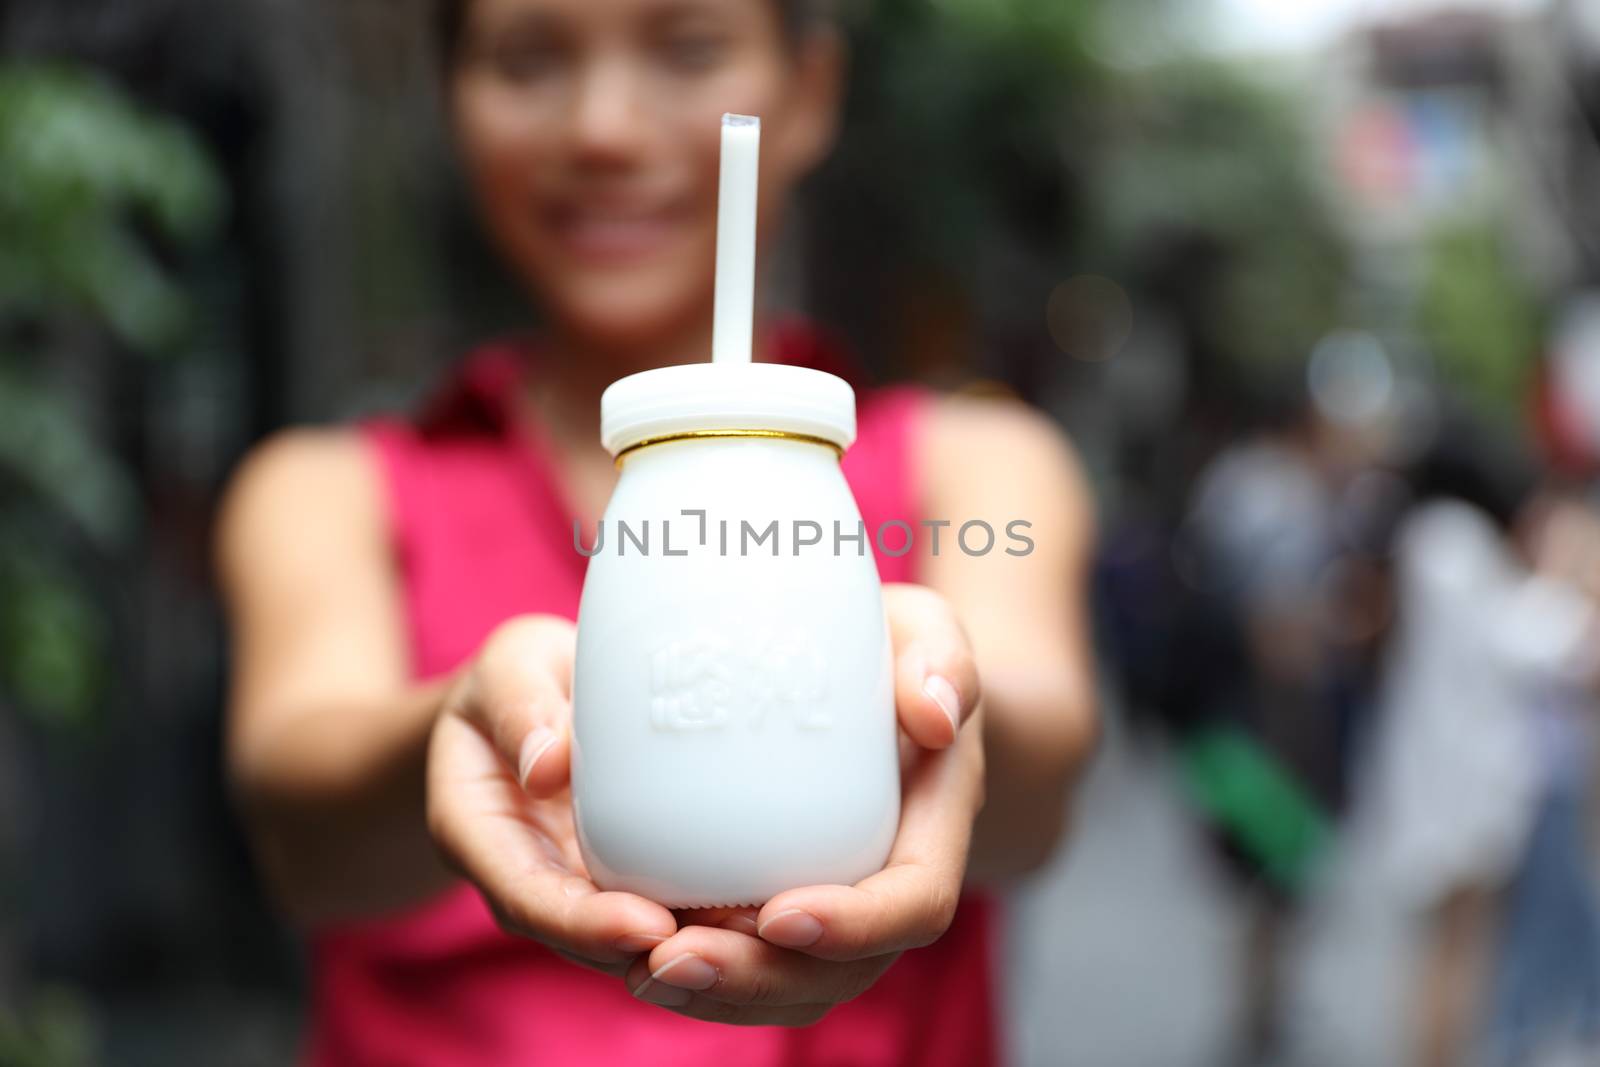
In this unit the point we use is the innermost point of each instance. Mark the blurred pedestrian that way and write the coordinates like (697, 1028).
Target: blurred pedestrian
(1491, 638)
(1280, 613)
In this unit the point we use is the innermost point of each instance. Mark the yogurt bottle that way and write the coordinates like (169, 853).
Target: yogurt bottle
(734, 731)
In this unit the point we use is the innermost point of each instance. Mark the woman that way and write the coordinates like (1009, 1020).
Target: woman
(401, 597)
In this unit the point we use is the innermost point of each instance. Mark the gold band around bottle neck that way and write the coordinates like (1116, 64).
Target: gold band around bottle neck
(689, 435)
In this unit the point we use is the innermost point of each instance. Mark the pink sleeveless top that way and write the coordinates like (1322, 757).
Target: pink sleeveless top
(481, 533)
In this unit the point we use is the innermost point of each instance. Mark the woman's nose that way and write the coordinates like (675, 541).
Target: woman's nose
(607, 119)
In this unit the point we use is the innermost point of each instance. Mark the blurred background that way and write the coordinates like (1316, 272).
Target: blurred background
(1314, 286)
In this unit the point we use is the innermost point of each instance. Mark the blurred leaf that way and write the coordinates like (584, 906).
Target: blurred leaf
(1199, 149)
(81, 168)
(955, 111)
(52, 636)
(1019, 124)
(1480, 319)
(45, 446)
(96, 195)
(56, 1029)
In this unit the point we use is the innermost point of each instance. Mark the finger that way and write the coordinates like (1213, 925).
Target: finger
(936, 677)
(738, 969)
(519, 694)
(615, 970)
(475, 816)
(912, 901)
(707, 1009)
(741, 918)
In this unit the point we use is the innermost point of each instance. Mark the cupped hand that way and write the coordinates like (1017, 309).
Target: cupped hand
(810, 948)
(500, 806)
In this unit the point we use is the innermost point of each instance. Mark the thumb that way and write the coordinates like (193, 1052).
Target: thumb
(518, 693)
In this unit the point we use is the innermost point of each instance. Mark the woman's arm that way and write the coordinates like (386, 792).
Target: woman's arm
(326, 740)
(1026, 616)
(353, 782)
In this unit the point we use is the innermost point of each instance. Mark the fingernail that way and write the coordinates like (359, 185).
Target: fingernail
(744, 924)
(534, 746)
(637, 942)
(664, 995)
(791, 928)
(687, 971)
(941, 692)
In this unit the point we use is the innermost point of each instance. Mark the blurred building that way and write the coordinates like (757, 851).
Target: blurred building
(1470, 114)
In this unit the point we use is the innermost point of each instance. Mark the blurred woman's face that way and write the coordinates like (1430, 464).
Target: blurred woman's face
(591, 130)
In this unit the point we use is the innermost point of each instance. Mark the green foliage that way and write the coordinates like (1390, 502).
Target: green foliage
(1201, 149)
(951, 106)
(81, 169)
(1480, 319)
(94, 190)
(53, 634)
(44, 447)
(55, 1030)
(966, 109)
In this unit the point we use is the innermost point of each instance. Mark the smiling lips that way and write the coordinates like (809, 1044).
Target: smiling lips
(613, 236)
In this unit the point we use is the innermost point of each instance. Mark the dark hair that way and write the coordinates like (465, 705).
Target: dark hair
(450, 17)
(1470, 461)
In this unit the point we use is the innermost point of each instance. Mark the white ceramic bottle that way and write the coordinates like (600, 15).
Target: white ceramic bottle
(734, 724)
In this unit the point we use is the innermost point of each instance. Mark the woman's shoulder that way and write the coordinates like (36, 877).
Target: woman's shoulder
(992, 422)
(961, 425)
(988, 446)
(302, 461)
(297, 485)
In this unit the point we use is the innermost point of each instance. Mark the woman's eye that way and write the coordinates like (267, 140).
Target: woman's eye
(525, 61)
(693, 52)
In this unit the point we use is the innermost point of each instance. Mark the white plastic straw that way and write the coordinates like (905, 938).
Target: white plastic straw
(734, 305)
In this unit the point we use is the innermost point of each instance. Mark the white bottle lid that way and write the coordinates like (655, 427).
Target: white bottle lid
(727, 396)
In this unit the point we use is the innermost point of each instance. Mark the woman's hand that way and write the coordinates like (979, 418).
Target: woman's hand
(500, 809)
(810, 948)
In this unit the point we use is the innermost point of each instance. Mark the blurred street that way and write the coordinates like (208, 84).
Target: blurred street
(1121, 953)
